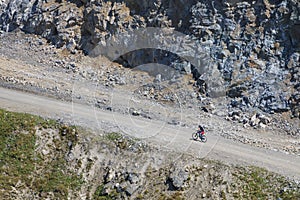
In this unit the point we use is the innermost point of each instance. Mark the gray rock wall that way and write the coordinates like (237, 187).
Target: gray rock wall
(254, 45)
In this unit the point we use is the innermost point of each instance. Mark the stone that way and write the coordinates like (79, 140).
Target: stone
(157, 78)
(262, 125)
(187, 67)
(133, 178)
(45, 152)
(110, 175)
(236, 91)
(263, 119)
(118, 187)
(131, 189)
(178, 178)
(136, 113)
(235, 117)
(254, 121)
(174, 122)
(69, 157)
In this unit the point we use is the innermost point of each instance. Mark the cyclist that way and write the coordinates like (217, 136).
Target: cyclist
(200, 131)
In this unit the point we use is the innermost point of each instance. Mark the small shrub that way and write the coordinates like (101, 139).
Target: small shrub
(113, 136)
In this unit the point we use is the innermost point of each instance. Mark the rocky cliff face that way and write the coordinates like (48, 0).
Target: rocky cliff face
(255, 45)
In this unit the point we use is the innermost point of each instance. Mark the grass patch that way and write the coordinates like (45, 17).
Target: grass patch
(258, 183)
(17, 158)
(12, 122)
(56, 178)
(20, 164)
(121, 141)
(100, 194)
(114, 137)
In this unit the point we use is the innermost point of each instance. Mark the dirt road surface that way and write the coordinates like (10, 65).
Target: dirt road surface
(173, 137)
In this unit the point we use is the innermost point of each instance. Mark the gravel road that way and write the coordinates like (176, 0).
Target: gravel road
(173, 137)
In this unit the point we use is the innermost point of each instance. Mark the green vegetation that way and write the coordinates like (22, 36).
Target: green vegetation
(57, 179)
(16, 158)
(21, 166)
(121, 141)
(258, 183)
(100, 194)
(11, 122)
(175, 196)
(114, 137)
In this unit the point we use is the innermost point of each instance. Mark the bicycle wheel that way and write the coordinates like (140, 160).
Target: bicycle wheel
(203, 138)
(195, 136)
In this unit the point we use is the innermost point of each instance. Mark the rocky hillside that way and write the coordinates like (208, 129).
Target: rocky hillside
(43, 159)
(254, 45)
